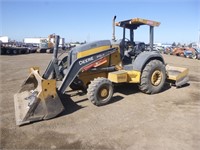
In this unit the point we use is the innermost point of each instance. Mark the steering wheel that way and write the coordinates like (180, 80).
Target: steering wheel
(127, 43)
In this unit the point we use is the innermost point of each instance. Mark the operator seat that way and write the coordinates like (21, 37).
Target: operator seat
(129, 51)
(140, 47)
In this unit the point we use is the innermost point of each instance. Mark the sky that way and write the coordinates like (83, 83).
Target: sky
(90, 20)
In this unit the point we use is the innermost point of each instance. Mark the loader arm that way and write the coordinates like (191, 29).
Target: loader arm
(79, 64)
(53, 64)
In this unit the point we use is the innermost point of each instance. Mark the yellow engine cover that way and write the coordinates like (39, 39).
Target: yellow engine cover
(122, 76)
(118, 76)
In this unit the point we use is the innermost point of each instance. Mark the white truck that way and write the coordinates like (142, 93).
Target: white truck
(32, 40)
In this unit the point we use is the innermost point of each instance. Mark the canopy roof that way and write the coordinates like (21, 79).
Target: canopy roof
(136, 22)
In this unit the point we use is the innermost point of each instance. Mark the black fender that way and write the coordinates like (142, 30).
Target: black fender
(143, 58)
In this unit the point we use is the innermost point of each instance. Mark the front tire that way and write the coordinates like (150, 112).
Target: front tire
(100, 91)
(153, 77)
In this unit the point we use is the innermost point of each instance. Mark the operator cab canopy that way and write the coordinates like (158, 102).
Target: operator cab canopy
(136, 22)
(133, 24)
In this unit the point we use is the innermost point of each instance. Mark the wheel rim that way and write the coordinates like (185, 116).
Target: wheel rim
(156, 78)
(103, 93)
(194, 56)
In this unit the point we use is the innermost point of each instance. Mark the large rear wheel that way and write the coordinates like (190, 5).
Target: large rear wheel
(100, 91)
(153, 77)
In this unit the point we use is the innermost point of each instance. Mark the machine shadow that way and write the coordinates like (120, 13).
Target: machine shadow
(166, 87)
(185, 85)
(126, 88)
(69, 105)
(115, 99)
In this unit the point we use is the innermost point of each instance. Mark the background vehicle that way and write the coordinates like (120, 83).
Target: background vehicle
(190, 53)
(47, 45)
(197, 53)
(158, 48)
(94, 68)
(168, 50)
(31, 47)
(13, 48)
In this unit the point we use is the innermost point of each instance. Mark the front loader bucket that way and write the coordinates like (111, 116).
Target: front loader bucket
(37, 99)
(177, 75)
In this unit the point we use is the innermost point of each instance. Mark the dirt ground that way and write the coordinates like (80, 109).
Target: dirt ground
(169, 120)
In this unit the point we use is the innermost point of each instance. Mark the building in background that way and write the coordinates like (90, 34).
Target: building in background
(37, 40)
(4, 39)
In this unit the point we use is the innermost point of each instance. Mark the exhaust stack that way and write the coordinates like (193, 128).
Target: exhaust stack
(114, 38)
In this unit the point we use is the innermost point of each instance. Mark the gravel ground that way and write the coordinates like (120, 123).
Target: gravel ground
(169, 120)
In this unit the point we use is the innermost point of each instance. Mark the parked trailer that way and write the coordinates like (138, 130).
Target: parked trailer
(12, 50)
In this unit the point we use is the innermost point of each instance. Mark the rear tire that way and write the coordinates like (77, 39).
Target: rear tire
(100, 91)
(153, 77)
